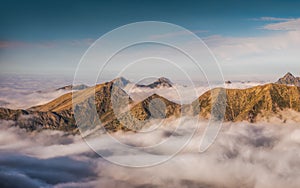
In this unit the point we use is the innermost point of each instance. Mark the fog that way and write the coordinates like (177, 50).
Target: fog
(184, 94)
(243, 155)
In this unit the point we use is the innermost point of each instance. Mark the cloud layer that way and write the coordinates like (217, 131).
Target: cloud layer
(285, 25)
(261, 155)
(24, 91)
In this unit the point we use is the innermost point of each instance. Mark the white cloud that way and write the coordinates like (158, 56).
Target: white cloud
(257, 155)
(24, 91)
(237, 47)
(271, 19)
(176, 34)
(286, 25)
(259, 57)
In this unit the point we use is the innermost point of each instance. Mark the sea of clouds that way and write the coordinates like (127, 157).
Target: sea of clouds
(258, 155)
(243, 155)
(25, 91)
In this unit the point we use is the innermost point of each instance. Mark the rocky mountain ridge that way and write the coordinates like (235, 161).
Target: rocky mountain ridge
(117, 111)
(289, 79)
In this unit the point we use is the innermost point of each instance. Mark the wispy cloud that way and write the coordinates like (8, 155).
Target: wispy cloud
(287, 25)
(271, 19)
(258, 57)
(272, 45)
(176, 34)
(279, 24)
(20, 44)
(269, 47)
(45, 44)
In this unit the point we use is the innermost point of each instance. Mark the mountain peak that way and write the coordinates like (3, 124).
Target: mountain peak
(160, 82)
(73, 87)
(154, 96)
(120, 81)
(289, 79)
(289, 75)
(164, 80)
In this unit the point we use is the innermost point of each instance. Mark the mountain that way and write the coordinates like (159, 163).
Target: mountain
(101, 96)
(117, 111)
(58, 114)
(153, 107)
(253, 103)
(71, 87)
(37, 120)
(121, 82)
(289, 79)
(111, 104)
(161, 82)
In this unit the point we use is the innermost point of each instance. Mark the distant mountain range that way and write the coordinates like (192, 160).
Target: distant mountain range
(159, 83)
(75, 87)
(116, 109)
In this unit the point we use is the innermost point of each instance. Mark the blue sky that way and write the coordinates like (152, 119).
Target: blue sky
(51, 36)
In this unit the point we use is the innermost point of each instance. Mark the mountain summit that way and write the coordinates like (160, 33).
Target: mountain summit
(289, 79)
(160, 82)
(121, 82)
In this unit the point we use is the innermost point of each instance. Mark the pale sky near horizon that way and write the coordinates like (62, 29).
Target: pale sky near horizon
(251, 40)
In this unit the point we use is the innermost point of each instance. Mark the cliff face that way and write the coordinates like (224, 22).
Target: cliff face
(117, 111)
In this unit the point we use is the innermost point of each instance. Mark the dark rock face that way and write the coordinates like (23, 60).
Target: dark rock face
(289, 79)
(161, 82)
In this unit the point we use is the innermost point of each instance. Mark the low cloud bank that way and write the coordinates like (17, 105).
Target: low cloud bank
(24, 91)
(261, 155)
(183, 94)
